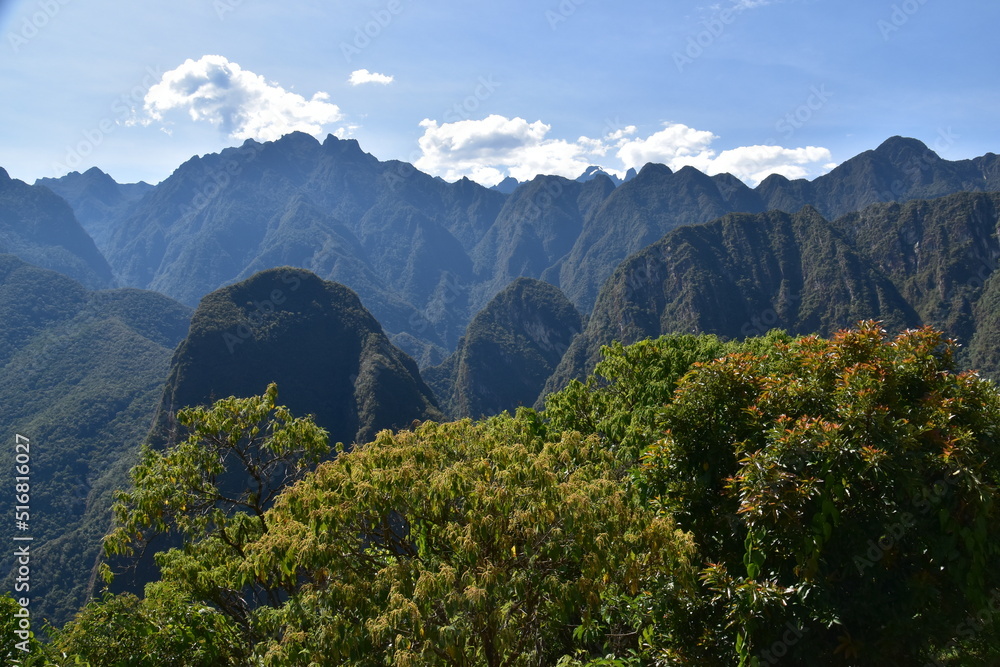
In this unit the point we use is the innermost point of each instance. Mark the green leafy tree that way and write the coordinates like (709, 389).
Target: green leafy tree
(467, 544)
(213, 490)
(17, 646)
(623, 400)
(163, 629)
(843, 496)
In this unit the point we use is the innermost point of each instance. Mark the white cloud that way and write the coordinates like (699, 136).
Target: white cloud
(670, 146)
(241, 103)
(361, 76)
(487, 150)
(678, 145)
(490, 149)
(755, 163)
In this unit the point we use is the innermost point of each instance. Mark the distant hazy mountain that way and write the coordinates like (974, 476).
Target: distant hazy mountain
(593, 172)
(899, 170)
(507, 185)
(537, 226)
(922, 262)
(425, 255)
(637, 214)
(39, 227)
(97, 199)
(327, 353)
(398, 236)
(81, 373)
(510, 349)
(660, 200)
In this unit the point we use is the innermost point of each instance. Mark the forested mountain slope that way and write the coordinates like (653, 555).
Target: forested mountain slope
(81, 373)
(923, 262)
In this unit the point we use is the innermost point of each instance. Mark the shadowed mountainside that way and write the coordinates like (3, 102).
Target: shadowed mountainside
(81, 373)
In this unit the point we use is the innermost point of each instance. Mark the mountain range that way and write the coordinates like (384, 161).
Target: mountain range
(923, 262)
(377, 296)
(425, 255)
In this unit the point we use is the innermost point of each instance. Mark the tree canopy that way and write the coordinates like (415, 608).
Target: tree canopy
(844, 489)
(811, 501)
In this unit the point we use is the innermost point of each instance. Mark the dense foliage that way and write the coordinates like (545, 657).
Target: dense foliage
(843, 495)
(811, 501)
(214, 490)
(465, 544)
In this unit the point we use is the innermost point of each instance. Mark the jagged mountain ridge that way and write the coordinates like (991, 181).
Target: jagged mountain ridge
(97, 199)
(660, 200)
(922, 262)
(40, 227)
(426, 255)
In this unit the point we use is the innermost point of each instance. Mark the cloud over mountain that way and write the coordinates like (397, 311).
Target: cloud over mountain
(494, 147)
(243, 104)
(678, 145)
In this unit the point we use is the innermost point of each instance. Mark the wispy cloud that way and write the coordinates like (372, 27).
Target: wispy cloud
(241, 103)
(361, 76)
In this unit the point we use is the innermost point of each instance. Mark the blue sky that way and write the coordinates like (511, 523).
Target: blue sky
(490, 89)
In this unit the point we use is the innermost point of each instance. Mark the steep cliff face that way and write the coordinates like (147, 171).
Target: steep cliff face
(938, 252)
(638, 213)
(739, 276)
(327, 353)
(508, 352)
